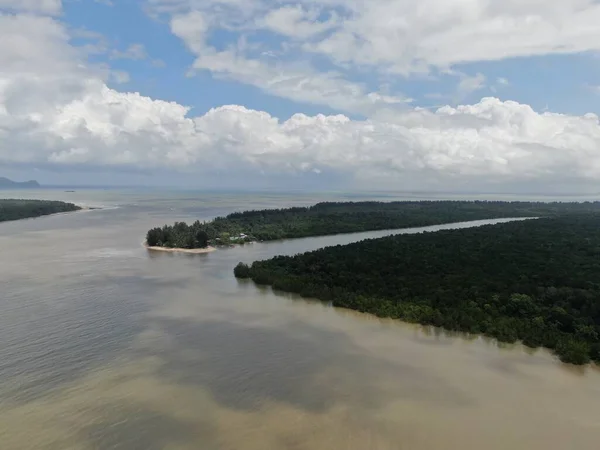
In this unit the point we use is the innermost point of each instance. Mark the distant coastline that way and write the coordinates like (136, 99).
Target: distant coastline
(19, 209)
(194, 251)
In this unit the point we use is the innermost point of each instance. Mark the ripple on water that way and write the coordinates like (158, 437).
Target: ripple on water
(105, 346)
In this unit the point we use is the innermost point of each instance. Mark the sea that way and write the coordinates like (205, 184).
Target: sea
(107, 345)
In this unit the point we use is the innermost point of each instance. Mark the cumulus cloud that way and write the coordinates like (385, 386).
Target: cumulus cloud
(56, 110)
(501, 141)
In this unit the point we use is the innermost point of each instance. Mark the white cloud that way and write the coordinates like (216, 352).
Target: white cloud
(499, 141)
(379, 38)
(293, 80)
(51, 7)
(56, 110)
(403, 35)
(35, 45)
(295, 22)
(94, 125)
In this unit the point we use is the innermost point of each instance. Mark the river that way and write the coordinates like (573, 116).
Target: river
(105, 345)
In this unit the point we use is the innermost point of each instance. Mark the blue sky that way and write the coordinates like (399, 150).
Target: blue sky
(169, 81)
(559, 83)
(440, 94)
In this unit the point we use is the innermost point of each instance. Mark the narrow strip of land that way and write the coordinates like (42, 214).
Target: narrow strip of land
(346, 217)
(16, 209)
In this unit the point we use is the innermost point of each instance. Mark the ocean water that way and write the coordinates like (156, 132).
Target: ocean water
(105, 345)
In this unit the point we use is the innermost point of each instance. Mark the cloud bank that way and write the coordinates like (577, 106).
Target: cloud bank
(56, 110)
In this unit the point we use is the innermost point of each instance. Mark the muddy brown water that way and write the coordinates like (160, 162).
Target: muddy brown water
(105, 345)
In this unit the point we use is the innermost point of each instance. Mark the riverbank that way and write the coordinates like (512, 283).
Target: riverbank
(195, 251)
(500, 280)
(331, 218)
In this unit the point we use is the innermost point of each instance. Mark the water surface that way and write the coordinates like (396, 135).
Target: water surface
(108, 346)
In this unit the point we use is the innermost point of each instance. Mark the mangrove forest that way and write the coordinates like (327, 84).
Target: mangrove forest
(536, 281)
(347, 217)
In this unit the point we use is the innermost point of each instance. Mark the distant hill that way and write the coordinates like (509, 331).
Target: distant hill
(6, 183)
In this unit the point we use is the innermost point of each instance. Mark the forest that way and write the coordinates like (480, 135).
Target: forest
(23, 209)
(347, 217)
(537, 281)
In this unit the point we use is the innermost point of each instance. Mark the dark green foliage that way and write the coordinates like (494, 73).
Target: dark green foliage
(349, 217)
(23, 209)
(154, 237)
(201, 238)
(179, 235)
(536, 280)
(573, 351)
(242, 271)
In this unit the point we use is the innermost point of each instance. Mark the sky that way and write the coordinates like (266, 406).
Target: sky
(434, 95)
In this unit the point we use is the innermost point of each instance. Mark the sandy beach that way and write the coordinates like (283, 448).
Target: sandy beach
(181, 250)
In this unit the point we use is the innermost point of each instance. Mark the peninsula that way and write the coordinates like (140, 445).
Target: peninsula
(345, 217)
(11, 209)
(5, 183)
(537, 281)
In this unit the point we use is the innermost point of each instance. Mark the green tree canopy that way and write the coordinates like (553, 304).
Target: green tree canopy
(23, 209)
(536, 280)
(349, 217)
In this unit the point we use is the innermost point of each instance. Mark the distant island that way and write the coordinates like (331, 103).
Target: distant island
(344, 217)
(6, 183)
(24, 209)
(537, 281)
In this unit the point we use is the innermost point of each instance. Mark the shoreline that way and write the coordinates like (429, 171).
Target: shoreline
(79, 209)
(194, 251)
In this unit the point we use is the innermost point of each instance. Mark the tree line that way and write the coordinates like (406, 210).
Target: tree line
(22, 209)
(179, 235)
(537, 281)
(347, 217)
